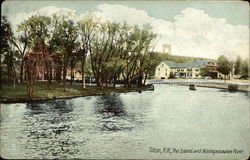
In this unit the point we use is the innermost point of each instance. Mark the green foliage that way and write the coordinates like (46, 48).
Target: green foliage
(38, 31)
(107, 50)
(224, 66)
(9, 57)
(204, 72)
(244, 69)
(237, 66)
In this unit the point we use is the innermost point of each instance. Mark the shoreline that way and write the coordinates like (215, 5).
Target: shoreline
(107, 92)
(40, 99)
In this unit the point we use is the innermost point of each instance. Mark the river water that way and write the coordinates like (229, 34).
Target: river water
(126, 125)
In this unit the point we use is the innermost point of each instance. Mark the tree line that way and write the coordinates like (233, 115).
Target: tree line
(107, 50)
(238, 68)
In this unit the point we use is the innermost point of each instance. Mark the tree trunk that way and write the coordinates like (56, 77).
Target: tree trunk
(50, 76)
(71, 74)
(114, 82)
(83, 75)
(101, 85)
(97, 78)
(64, 74)
(64, 78)
(129, 83)
(14, 76)
(146, 76)
(21, 71)
(140, 78)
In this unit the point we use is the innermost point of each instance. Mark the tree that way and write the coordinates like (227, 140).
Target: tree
(10, 56)
(64, 39)
(145, 56)
(244, 69)
(237, 66)
(223, 65)
(86, 28)
(21, 43)
(34, 62)
(204, 72)
(38, 38)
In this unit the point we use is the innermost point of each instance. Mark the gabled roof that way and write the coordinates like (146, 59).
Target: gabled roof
(171, 64)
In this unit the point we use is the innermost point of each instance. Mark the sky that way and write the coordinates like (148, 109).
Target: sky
(193, 28)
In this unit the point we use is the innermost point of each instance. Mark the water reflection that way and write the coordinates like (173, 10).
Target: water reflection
(59, 106)
(110, 106)
(113, 115)
(47, 129)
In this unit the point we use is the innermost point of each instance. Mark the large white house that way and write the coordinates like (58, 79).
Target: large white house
(189, 69)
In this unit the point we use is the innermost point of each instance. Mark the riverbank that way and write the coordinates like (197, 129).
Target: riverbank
(18, 94)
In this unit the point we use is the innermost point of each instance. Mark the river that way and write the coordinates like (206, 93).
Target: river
(126, 125)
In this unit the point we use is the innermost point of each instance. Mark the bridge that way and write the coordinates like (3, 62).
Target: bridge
(202, 82)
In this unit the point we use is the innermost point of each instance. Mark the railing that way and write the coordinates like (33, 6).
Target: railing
(187, 82)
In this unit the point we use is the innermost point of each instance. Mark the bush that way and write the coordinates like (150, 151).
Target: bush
(233, 87)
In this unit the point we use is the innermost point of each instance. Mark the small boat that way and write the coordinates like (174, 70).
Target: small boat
(192, 87)
(150, 86)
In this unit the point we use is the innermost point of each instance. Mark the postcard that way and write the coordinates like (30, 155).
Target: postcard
(124, 80)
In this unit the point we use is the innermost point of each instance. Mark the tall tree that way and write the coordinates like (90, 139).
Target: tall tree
(38, 41)
(223, 65)
(86, 28)
(9, 56)
(21, 43)
(65, 36)
(237, 65)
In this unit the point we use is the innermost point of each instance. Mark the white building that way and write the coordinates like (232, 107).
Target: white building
(189, 69)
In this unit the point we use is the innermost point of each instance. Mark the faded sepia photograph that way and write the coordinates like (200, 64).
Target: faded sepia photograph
(124, 79)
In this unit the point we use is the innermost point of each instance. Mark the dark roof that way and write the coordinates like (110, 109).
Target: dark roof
(189, 64)
(171, 64)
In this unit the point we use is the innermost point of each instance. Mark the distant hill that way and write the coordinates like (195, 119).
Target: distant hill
(182, 59)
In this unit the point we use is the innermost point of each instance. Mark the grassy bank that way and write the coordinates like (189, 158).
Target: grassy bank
(19, 93)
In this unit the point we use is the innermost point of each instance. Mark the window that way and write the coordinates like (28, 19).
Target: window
(196, 69)
(196, 74)
(166, 74)
(182, 69)
(189, 69)
(178, 69)
(166, 70)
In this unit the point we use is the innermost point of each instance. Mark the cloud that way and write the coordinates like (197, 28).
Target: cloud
(192, 33)
(46, 11)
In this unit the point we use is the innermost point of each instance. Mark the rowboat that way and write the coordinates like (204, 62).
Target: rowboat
(192, 87)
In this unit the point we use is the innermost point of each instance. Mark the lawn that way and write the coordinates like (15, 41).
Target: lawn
(41, 91)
